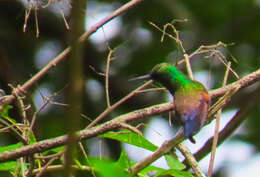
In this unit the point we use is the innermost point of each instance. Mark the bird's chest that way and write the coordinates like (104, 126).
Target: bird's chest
(186, 102)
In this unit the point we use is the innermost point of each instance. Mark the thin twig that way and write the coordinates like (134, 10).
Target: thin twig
(115, 123)
(64, 19)
(36, 21)
(185, 55)
(65, 52)
(47, 101)
(13, 130)
(215, 140)
(188, 66)
(179, 137)
(61, 167)
(164, 149)
(203, 49)
(107, 77)
(86, 133)
(163, 31)
(222, 59)
(22, 167)
(229, 129)
(86, 157)
(131, 128)
(26, 17)
(151, 90)
(108, 110)
(44, 169)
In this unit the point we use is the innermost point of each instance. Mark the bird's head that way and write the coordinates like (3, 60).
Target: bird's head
(167, 75)
(162, 72)
(159, 71)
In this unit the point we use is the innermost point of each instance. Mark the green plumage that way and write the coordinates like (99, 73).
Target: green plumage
(191, 99)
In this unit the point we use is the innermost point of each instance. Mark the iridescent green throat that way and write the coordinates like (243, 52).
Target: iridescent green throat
(170, 77)
(178, 77)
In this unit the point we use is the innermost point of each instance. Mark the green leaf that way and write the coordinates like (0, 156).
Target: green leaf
(12, 166)
(55, 150)
(150, 169)
(5, 115)
(5, 110)
(77, 162)
(32, 138)
(107, 168)
(123, 160)
(175, 173)
(10, 147)
(174, 163)
(8, 166)
(130, 138)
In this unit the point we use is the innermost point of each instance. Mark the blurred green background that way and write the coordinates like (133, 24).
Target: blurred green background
(137, 48)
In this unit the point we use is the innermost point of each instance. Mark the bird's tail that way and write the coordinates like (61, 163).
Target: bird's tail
(192, 139)
(191, 127)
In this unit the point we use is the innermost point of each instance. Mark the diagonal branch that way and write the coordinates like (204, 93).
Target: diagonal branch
(231, 126)
(115, 123)
(86, 133)
(22, 89)
(168, 145)
(241, 83)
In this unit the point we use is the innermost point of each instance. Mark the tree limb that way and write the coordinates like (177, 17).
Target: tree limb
(115, 123)
(22, 89)
(86, 133)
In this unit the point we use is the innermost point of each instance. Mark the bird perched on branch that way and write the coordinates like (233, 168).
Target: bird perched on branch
(191, 99)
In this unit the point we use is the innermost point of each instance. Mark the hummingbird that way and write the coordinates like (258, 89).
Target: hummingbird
(191, 99)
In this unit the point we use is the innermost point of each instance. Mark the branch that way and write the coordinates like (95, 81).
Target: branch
(231, 126)
(61, 167)
(76, 80)
(86, 133)
(21, 90)
(109, 109)
(215, 140)
(115, 123)
(241, 83)
(164, 149)
(168, 145)
(190, 159)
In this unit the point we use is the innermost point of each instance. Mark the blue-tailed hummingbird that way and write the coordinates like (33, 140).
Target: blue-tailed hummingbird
(191, 99)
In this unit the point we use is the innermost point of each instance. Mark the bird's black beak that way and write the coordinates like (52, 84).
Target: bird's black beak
(145, 77)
